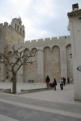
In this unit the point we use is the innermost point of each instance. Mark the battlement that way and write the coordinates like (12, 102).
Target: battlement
(5, 24)
(12, 33)
(46, 41)
(16, 25)
(16, 29)
(1, 25)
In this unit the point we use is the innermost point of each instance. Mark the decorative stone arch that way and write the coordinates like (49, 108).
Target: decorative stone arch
(56, 62)
(34, 50)
(47, 49)
(34, 65)
(30, 70)
(69, 61)
(55, 46)
(69, 44)
(26, 51)
(47, 61)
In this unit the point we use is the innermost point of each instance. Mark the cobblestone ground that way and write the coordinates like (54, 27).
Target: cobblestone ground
(47, 105)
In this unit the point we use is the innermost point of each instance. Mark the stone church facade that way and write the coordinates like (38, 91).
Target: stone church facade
(54, 56)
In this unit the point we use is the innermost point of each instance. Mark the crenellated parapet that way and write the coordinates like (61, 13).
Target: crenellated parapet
(16, 28)
(48, 39)
(60, 41)
(3, 25)
(17, 25)
(13, 33)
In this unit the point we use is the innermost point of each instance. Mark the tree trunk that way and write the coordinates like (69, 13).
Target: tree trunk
(14, 83)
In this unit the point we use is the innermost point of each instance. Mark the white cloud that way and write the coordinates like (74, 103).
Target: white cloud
(31, 31)
(46, 7)
(42, 18)
(4, 18)
(36, 33)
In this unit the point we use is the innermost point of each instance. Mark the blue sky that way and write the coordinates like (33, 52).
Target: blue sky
(42, 18)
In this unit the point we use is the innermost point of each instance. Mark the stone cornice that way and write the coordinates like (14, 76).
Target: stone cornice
(75, 13)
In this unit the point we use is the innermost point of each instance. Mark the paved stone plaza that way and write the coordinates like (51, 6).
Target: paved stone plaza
(22, 86)
(46, 105)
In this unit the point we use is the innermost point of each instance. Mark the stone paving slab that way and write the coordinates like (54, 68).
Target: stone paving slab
(6, 118)
(31, 114)
(22, 86)
(59, 103)
(65, 96)
(60, 108)
(76, 108)
(42, 108)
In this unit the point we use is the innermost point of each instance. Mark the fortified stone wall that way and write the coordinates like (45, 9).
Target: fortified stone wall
(2, 48)
(53, 54)
(63, 40)
(9, 35)
(53, 58)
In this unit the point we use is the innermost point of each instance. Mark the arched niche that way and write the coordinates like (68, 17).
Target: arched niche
(34, 51)
(26, 51)
(47, 51)
(56, 62)
(30, 70)
(47, 61)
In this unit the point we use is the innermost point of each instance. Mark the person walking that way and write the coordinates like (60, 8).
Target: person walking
(61, 84)
(64, 81)
(47, 81)
(55, 83)
(68, 80)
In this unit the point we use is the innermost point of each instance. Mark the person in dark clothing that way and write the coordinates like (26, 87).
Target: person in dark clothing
(61, 84)
(64, 81)
(47, 81)
(68, 80)
(54, 84)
